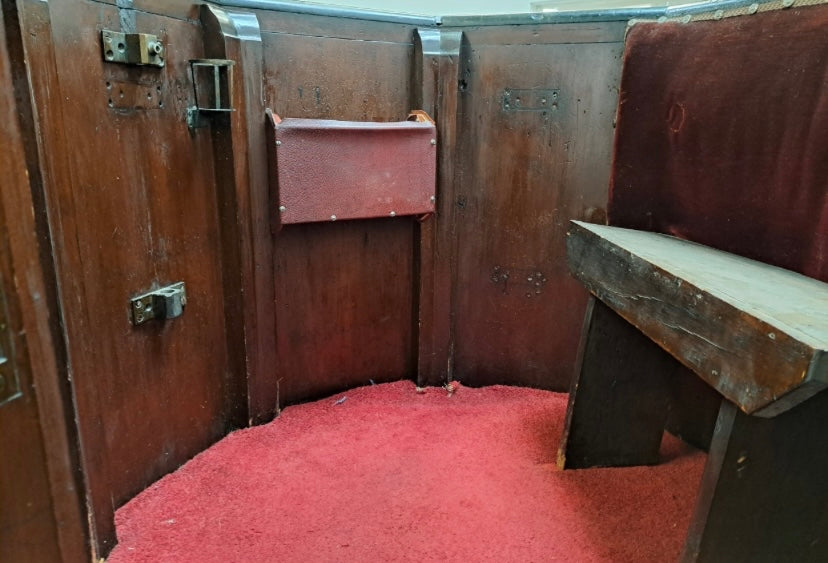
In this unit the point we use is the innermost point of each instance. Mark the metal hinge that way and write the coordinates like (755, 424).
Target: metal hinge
(132, 48)
(164, 303)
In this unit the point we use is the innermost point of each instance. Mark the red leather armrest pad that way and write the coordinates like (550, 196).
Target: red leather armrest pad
(722, 136)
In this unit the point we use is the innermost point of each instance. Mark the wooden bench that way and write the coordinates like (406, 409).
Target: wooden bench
(757, 334)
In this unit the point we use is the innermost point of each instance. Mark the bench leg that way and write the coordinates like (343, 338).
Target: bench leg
(619, 397)
(764, 493)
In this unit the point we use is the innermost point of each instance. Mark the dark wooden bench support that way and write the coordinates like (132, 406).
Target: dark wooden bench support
(764, 493)
(619, 397)
(758, 335)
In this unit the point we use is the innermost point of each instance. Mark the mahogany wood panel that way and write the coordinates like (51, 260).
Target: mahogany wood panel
(343, 290)
(764, 496)
(321, 77)
(619, 396)
(343, 306)
(132, 203)
(41, 517)
(523, 172)
(757, 333)
(28, 529)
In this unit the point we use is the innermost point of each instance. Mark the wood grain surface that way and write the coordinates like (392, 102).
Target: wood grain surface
(132, 201)
(344, 295)
(754, 332)
(41, 492)
(521, 176)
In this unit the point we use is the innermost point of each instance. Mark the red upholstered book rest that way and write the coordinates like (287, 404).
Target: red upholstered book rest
(326, 170)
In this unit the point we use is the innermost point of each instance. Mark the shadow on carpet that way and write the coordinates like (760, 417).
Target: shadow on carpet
(390, 474)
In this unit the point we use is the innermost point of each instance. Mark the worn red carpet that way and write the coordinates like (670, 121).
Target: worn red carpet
(383, 473)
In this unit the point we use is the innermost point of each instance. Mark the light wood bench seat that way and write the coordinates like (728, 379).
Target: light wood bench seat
(757, 334)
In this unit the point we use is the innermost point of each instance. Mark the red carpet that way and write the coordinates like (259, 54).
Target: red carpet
(393, 475)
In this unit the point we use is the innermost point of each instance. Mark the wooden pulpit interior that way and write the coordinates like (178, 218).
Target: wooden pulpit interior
(178, 263)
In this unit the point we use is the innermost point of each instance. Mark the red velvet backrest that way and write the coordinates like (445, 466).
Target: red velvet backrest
(722, 136)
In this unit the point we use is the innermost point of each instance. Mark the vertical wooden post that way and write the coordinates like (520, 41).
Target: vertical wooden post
(436, 74)
(246, 207)
(619, 397)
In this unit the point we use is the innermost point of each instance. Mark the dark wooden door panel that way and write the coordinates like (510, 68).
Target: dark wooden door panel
(28, 530)
(132, 196)
(41, 518)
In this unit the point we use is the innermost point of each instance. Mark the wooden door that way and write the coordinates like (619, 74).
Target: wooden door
(41, 517)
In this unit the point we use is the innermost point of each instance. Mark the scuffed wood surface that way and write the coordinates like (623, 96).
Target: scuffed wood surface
(520, 177)
(753, 331)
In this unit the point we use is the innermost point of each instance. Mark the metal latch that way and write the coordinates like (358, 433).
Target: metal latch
(132, 48)
(212, 89)
(164, 303)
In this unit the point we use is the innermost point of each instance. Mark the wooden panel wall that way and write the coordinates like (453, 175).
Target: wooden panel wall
(344, 291)
(134, 199)
(521, 176)
(351, 303)
(28, 530)
(41, 516)
(132, 202)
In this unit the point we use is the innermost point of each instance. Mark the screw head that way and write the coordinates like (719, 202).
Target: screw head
(393, 214)
(138, 304)
(333, 217)
(432, 199)
(278, 143)
(282, 209)
(433, 141)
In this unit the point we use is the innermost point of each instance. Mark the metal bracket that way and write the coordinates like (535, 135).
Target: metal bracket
(195, 119)
(164, 303)
(212, 89)
(132, 48)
